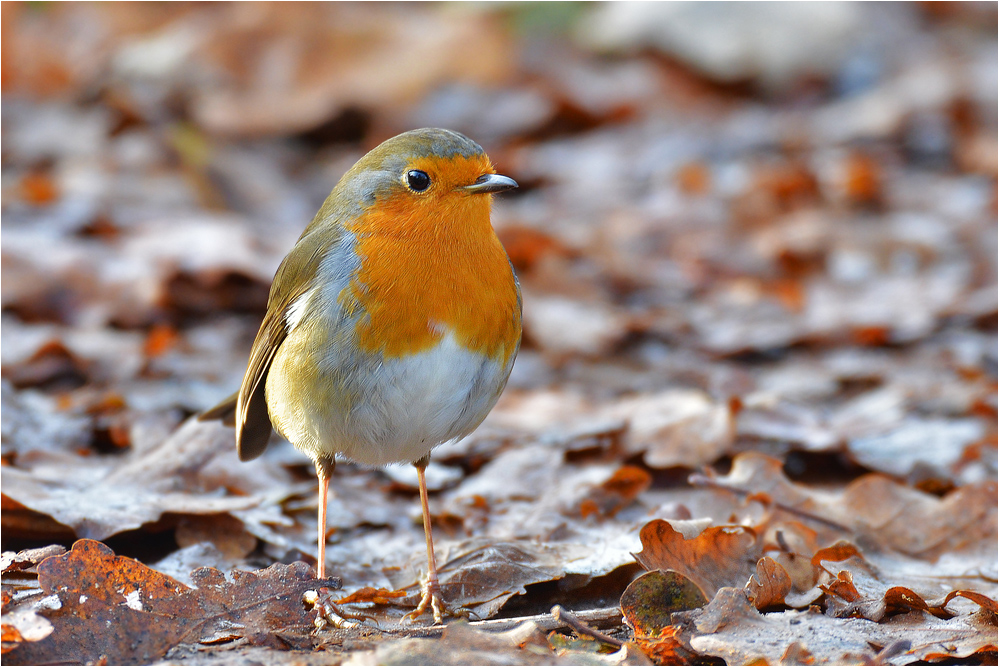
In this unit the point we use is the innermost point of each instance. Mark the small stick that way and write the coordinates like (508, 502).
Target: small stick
(602, 617)
(571, 620)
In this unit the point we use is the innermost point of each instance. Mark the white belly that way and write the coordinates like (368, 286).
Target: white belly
(375, 411)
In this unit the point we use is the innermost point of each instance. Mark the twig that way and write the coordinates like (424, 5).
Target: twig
(581, 628)
(600, 617)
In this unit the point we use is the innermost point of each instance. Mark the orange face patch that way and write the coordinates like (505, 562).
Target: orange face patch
(431, 263)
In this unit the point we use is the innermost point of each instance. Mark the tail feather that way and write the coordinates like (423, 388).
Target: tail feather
(224, 411)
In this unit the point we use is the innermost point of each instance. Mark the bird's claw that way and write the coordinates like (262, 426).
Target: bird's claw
(432, 599)
(328, 612)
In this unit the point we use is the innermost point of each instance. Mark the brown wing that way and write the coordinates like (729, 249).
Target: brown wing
(295, 276)
(253, 426)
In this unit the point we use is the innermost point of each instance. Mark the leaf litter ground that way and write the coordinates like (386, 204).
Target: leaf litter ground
(755, 409)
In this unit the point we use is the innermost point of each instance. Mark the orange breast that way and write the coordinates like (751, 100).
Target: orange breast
(430, 265)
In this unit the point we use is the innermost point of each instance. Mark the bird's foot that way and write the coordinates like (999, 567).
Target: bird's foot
(432, 599)
(328, 612)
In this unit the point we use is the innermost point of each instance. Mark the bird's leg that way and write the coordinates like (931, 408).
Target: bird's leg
(432, 588)
(324, 470)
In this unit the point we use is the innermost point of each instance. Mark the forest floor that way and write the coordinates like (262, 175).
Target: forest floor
(754, 414)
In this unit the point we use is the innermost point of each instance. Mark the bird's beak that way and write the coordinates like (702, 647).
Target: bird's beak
(490, 183)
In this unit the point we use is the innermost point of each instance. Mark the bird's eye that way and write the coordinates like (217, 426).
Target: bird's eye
(417, 180)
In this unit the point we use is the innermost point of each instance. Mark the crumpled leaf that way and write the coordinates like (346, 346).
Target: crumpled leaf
(114, 609)
(135, 493)
(876, 508)
(379, 596)
(859, 589)
(731, 629)
(769, 585)
(481, 575)
(719, 556)
(27, 560)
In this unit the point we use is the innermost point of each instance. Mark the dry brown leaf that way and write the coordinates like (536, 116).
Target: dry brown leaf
(380, 596)
(720, 556)
(985, 602)
(651, 598)
(139, 490)
(225, 532)
(114, 609)
(460, 644)
(675, 427)
(769, 585)
(481, 575)
(665, 649)
(52, 367)
(27, 560)
(919, 524)
(841, 551)
(876, 508)
(731, 629)
(616, 492)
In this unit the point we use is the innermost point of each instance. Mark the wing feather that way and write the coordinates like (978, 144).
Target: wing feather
(294, 277)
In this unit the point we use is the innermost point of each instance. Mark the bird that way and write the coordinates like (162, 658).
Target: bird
(391, 326)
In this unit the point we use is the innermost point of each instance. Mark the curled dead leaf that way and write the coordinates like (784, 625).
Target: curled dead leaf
(840, 551)
(380, 596)
(842, 587)
(983, 601)
(665, 649)
(768, 586)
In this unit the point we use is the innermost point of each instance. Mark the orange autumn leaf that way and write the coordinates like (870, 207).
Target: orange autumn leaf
(720, 556)
(616, 492)
(380, 596)
(769, 584)
(160, 339)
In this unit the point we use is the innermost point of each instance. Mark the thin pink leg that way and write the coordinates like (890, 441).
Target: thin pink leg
(324, 469)
(432, 588)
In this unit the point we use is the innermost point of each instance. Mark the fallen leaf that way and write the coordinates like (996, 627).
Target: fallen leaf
(379, 596)
(875, 508)
(650, 600)
(769, 585)
(52, 367)
(27, 560)
(114, 609)
(675, 427)
(616, 492)
(138, 491)
(666, 649)
(719, 556)
(481, 575)
(731, 629)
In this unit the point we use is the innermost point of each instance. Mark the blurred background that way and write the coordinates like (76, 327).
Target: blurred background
(746, 226)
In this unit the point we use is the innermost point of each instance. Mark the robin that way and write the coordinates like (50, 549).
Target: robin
(392, 324)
